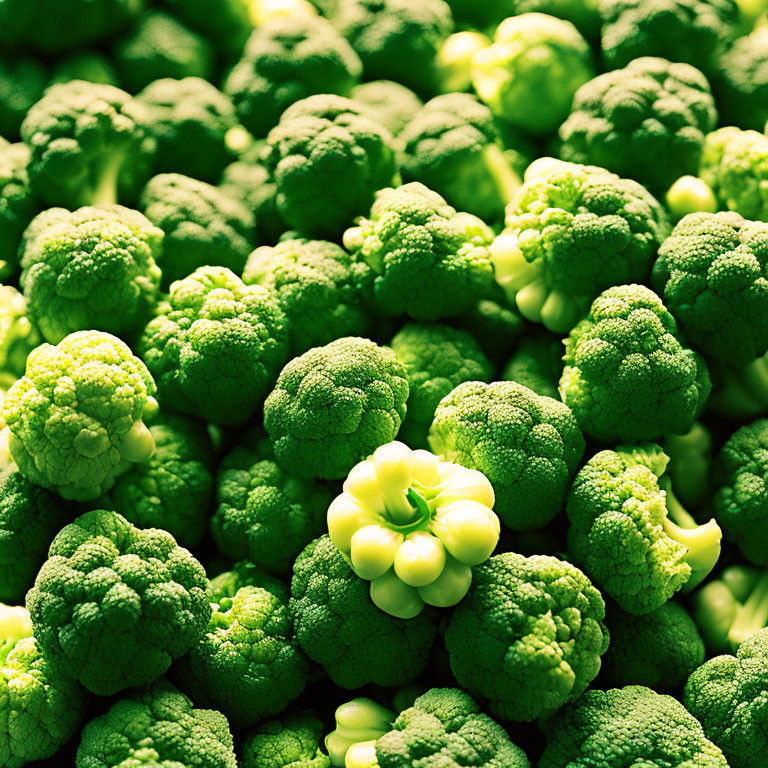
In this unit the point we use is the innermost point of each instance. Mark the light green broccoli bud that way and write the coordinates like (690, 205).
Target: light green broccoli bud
(690, 194)
(358, 720)
(18, 336)
(293, 741)
(247, 574)
(454, 59)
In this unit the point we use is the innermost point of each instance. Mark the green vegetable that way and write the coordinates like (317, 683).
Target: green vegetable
(92, 66)
(455, 59)
(690, 194)
(291, 742)
(226, 22)
(22, 82)
(690, 465)
(387, 102)
(247, 574)
(18, 336)
(358, 721)
(536, 363)
(18, 205)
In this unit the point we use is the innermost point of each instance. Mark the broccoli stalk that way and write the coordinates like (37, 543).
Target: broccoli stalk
(106, 175)
(752, 615)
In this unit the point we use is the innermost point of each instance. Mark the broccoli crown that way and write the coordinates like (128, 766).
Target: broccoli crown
(334, 405)
(571, 231)
(327, 142)
(314, 279)
(452, 146)
(157, 726)
(87, 149)
(159, 47)
(387, 102)
(114, 604)
(742, 81)
(30, 517)
(189, 119)
(532, 53)
(431, 261)
(438, 358)
(18, 204)
(22, 82)
(527, 445)
(92, 66)
(247, 663)
(77, 414)
(734, 164)
(226, 22)
(693, 31)
(247, 574)
(651, 108)
(727, 695)
(18, 337)
(53, 26)
(339, 627)
(628, 726)
(396, 39)
(742, 499)
(215, 346)
(627, 376)
(445, 726)
(287, 59)
(529, 635)
(658, 650)
(39, 709)
(537, 364)
(93, 268)
(203, 225)
(712, 274)
(264, 514)
(291, 742)
(174, 488)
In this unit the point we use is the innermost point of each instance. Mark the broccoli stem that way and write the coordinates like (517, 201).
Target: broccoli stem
(752, 615)
(107, 176)
(504, 177)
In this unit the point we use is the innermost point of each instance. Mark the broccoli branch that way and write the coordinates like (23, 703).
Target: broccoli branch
(752, 615)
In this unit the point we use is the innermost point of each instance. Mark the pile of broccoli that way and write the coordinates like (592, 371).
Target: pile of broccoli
(384, 383)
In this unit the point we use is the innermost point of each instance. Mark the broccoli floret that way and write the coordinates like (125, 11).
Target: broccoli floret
(454, 59)
(690, 464)
(734, 164)
(658, 650)
(528, 446)
(160, 47)
(692, 31)
(711, 273)
(93, 268)
(30, 517)
(86, 147)
(291, 742)
(532, 54)
(741, 84)
(571, 231)
(226, 22)
(727, 695)
(537, 363)
(529, 635)
(396, 39)
(264, 514)
(631, 535)
(387, 102)
(215, 346)
(627, 375)
(247, 574)
(18, 336)
(438, 358)
(742, 499)
(431, 261)
(339, 627)
(445, 725)
(157, 726)
(690, 194)
(314, 279)
(174, 488)
(632, 726)
(75, 418)
(334, 405)
(203, 225)
(452, 146)
(285, 60)
(327, 143)
(91, 66)
(651, 108)
(189, 119)
(22, 82)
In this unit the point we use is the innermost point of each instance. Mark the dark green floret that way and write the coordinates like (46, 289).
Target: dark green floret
(536, 363)
(22, 82)
(294, 741)
(389, 103)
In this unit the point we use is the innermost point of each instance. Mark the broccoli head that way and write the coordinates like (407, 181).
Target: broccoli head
(339, 627)
(452, 146)
(741, 84)
(288, 59)
(314, 279)
(22, 82)
(571, 231)
(75, 418)
(327, 143)
(536, 363)
(334, 405)
(226, 22)
(157, 726)
(431, 261)
(527, 445)
(632, 726)
(627, 375)
(91, 269)
(529, 635)
(651, 108)
(387, 102)
(18, 336)
(114, 605)
(294, 741)
(215, 346)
